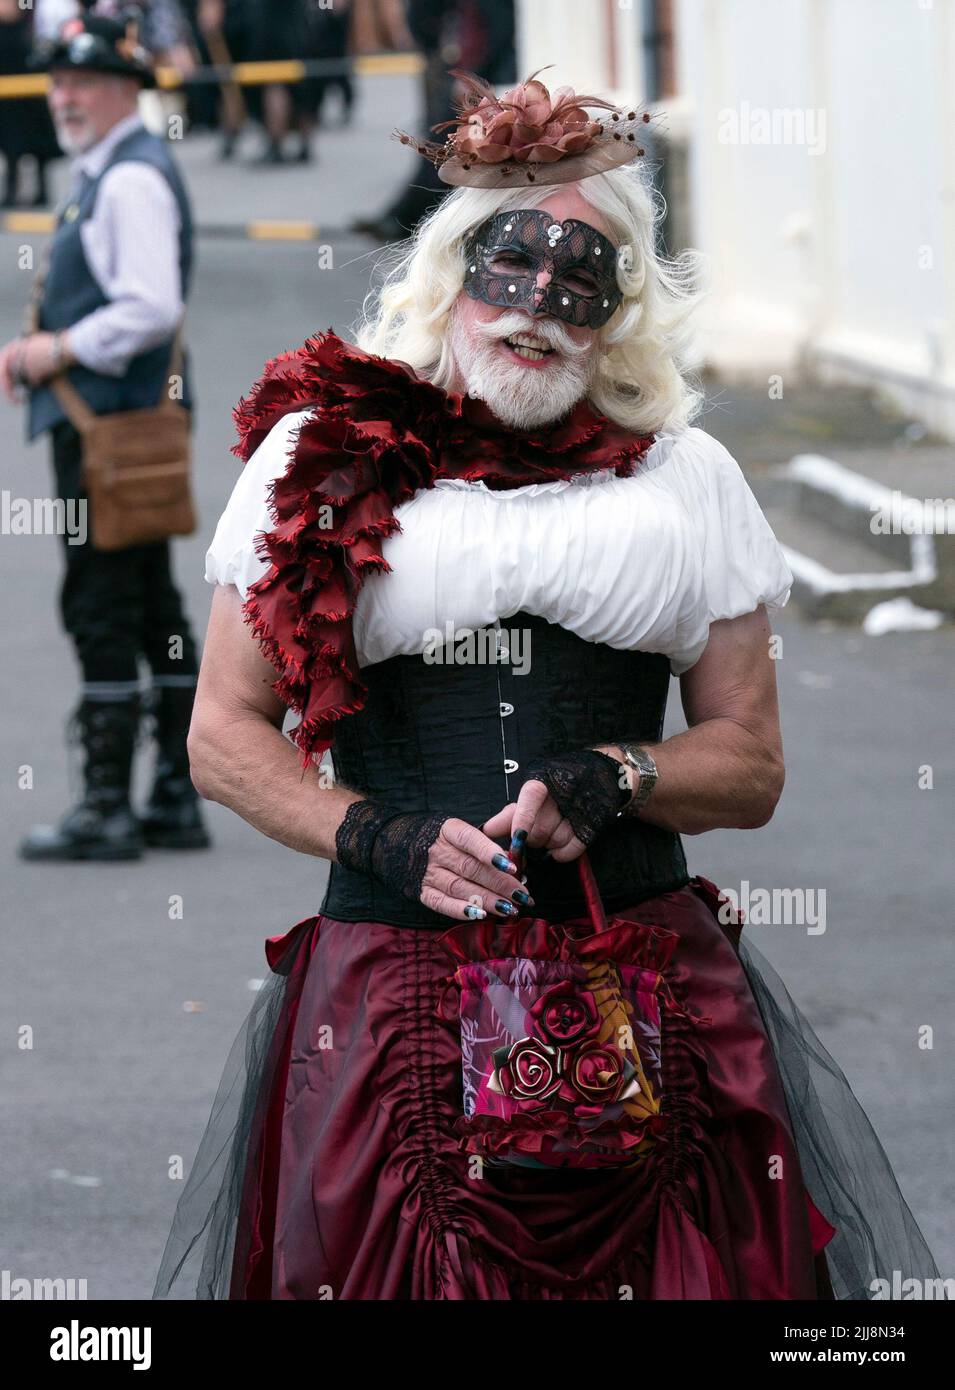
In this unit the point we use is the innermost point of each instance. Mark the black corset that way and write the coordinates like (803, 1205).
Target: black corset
(454, 738)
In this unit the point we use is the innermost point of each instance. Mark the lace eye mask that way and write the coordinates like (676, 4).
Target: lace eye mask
(507, 254)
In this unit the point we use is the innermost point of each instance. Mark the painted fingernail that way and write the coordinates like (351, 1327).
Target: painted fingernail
(520, 896)
(518, 839)
(507, 866)
(508, 909)
(472, 911)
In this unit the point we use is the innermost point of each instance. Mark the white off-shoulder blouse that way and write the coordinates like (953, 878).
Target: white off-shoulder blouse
(643, 563)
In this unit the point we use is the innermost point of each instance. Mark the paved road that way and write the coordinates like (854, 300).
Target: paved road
(132, 1013)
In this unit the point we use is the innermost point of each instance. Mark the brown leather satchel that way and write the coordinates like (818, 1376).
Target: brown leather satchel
(136, 466)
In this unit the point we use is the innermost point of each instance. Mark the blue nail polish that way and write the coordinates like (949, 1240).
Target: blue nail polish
(523, 898)
(518, 839)
(507, 866)
(508, 909)
(472, 911)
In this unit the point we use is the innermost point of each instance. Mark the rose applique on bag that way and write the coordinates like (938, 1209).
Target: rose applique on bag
(561, 1034)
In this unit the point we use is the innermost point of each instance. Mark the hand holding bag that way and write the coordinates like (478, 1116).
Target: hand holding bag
(561, 1037)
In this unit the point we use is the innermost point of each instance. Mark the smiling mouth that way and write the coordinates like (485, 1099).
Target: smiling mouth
(528, 348)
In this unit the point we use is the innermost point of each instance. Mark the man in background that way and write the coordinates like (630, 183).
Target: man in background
(109, 309)
(474, 34)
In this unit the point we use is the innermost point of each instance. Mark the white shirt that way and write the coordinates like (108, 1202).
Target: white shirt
(131, 244)
(643, 563)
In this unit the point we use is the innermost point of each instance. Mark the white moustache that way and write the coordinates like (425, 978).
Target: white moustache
(549, 332)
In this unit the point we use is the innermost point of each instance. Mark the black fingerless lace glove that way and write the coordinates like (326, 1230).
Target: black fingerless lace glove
(388, 844)
(586, 787)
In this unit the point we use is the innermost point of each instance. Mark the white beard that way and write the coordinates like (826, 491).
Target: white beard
(76, 142)
(522, 397)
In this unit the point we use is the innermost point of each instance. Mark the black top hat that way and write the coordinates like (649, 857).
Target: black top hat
(99, 43)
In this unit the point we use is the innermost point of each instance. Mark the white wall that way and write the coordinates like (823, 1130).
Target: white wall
(846, 255)
(594, 45)
(838, 247)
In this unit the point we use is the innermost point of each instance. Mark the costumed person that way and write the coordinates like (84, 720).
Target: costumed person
(519, 1052)
(108, 308)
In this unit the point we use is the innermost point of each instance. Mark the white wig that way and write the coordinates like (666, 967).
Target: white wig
(642, 380)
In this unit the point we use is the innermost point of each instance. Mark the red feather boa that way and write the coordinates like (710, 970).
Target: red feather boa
(379, 434)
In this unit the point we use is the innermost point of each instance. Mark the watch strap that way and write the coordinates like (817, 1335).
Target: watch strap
(639, 758)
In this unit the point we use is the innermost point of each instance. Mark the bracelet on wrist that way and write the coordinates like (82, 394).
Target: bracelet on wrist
(60, 356)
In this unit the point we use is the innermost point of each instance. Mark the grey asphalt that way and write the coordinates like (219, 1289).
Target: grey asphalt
(131, 1011)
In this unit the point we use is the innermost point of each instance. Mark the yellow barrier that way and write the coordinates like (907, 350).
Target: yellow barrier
(281, 231)
(29, 84)
(258, 74)
(291, 229)
(28, 223)
(244, 74)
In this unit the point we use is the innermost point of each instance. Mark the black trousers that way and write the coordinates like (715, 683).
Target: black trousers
(119, 605)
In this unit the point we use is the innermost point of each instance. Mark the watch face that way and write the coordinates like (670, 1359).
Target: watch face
(640, 759)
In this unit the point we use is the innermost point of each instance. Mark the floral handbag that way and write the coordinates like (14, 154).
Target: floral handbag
(561, 1037)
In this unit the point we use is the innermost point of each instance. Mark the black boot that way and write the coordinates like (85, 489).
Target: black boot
(172, 818)
(102, 826)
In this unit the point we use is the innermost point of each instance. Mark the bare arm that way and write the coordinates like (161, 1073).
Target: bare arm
(240, 757)
(725, 770)
(238, 753)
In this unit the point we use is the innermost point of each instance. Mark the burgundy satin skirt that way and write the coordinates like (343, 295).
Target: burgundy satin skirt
(355, 1186)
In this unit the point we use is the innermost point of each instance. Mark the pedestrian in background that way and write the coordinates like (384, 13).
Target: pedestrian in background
(221, 34)
(109, 309)
(25, 127)
(476, 34)
(164, 24)
(281, 34)
(329, 32)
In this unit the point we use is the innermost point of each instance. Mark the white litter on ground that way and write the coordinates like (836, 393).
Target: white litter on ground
(900, 615)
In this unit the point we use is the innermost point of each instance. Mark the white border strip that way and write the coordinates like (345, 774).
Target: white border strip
(857, 491)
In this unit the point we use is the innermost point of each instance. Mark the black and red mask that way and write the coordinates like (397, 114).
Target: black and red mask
(526, 260)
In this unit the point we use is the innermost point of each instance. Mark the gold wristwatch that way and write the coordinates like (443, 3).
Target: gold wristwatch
(638, 758)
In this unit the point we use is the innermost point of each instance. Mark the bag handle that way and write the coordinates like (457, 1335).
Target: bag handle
(596, 911)
(588, 882)
(77, 411)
